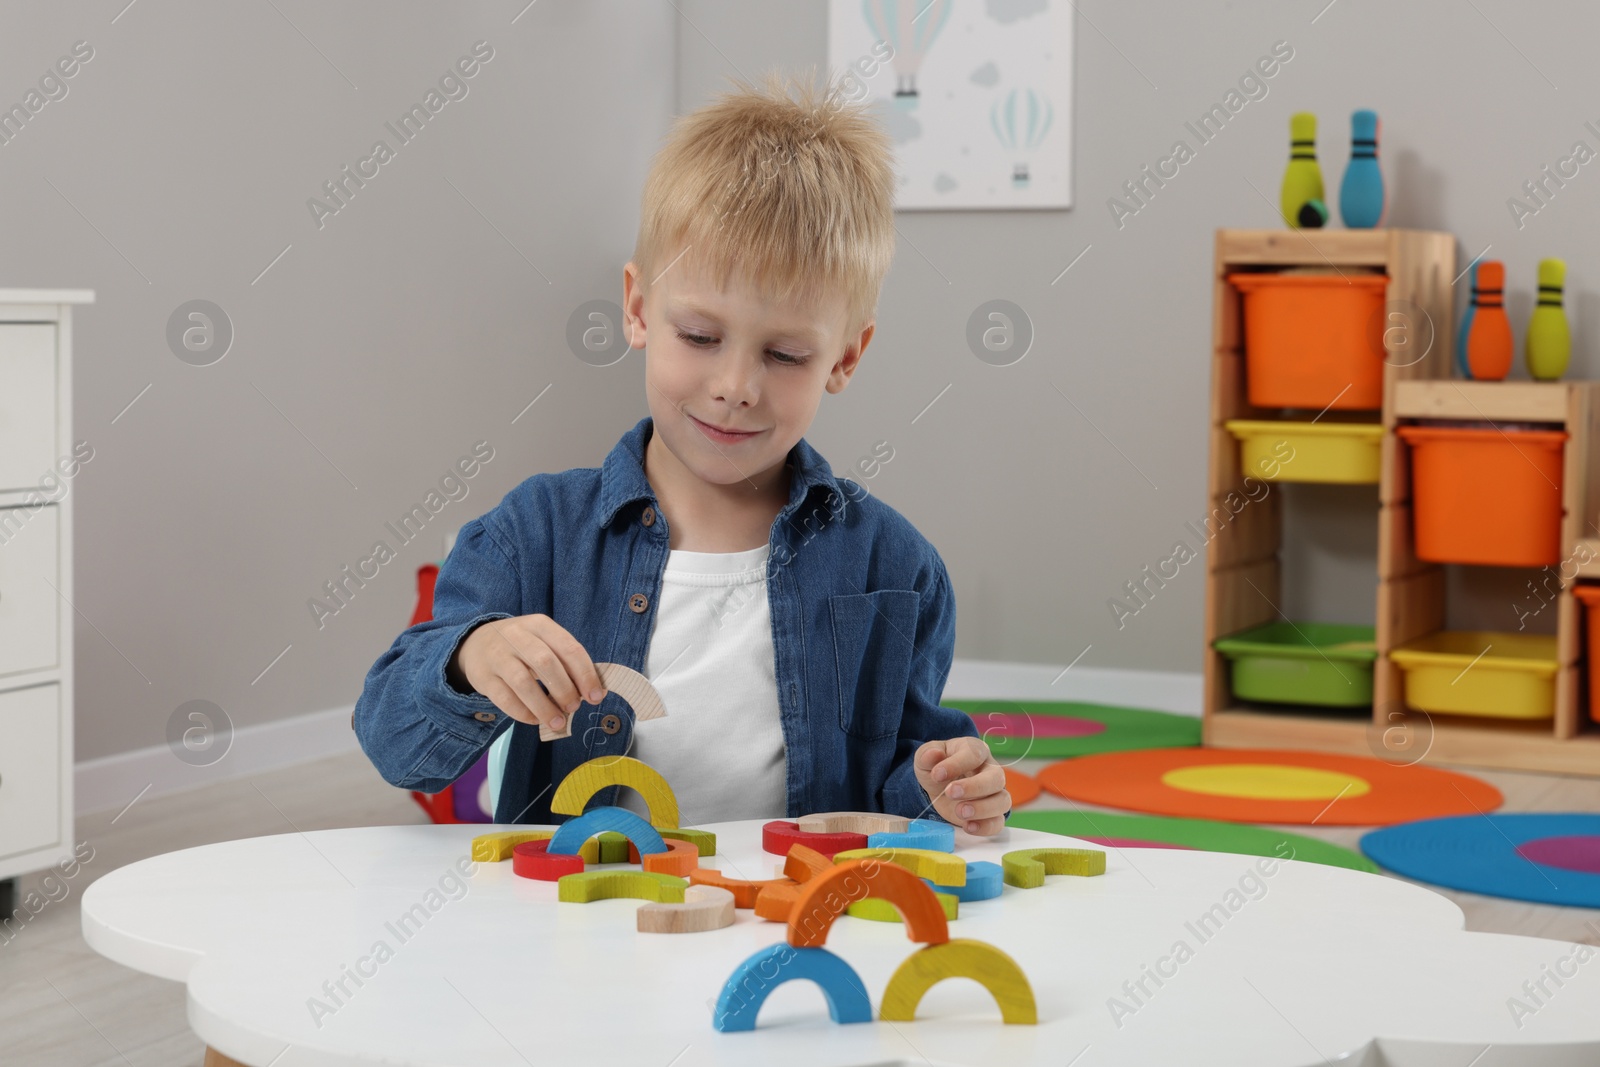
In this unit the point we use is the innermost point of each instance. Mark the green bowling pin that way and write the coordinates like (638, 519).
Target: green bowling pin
(1549, 345)
(1301, 201)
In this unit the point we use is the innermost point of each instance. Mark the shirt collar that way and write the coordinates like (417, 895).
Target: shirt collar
(622, 479)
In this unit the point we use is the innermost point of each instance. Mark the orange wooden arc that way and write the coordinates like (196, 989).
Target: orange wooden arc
(775, 903)
(744, 892)
(680, 858)
(825, 896)
(802, 864)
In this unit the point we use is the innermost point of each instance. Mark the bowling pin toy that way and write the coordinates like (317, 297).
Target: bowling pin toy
(1361, 191)
(1300, 201)
(1466, 322)
(1549, 343)
(1489, 343)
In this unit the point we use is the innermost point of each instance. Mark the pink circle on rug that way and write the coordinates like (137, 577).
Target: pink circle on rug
(1579, 852)
(1129, 842)
(1008, 725)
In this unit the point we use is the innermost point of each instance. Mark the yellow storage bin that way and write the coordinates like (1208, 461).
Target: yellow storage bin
(1343, 452)
(1476, 672)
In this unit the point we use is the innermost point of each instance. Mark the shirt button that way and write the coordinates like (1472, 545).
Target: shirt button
(648, 517)
(610, 724)
(483, 716)
(638, 602)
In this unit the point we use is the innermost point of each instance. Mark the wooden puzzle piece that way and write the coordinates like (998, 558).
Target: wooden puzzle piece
(608, 885)
(748, 986)
(984, 882)
(852, 822)
(776, 900)
(704, 907)
(929, 834)
(497, 847)
(680, 858)
(608, 847)
(533, 859)
(571, 835)
(704, 840)
(939, 867)
(587, 779)
(960, 958)
(1025, 868)
(628, 684)
(827, 894)
(802, 863)
(744, 891)
(884, 912)
(778, 837)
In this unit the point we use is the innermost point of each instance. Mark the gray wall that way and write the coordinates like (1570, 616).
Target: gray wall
(426, 314)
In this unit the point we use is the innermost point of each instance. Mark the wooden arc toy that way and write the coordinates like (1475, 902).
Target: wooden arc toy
(571, 835)
(1026, 867)
(853, 822)
(778, 837)
(883, 912)
(930, 834)
(533, 859)
(941, 868)
(826, 895)
(679, 859)
(609, 885)
(704, 907)
(744, 892)
(802, 864)
(748, 986)
(605, 848)
(587, 779)
(961, 958)
(775, 903)
(628, 684)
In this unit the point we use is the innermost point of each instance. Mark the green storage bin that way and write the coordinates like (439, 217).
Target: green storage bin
(1322, 663)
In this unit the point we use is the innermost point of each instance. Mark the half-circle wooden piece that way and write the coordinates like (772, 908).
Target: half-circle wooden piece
(942, 868)
(744, 892)
(748, 986)
(608, 885)
(826, 895)
(628, 684)
(961, 958)
(704, 907)
(853, 822)
(1025, 868)
(571, 835)
(587, 779)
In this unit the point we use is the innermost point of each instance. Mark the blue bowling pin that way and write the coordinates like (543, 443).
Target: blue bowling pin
(1466, 323)
(1361, 191)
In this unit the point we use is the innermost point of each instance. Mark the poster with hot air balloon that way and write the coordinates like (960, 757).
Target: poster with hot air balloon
(977, 95)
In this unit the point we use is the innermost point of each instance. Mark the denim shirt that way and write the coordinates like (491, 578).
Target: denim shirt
(863, 631)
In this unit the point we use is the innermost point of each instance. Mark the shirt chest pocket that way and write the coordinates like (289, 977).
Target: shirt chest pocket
(874, 639)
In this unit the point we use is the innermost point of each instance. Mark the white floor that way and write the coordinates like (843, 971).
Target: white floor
(63, 1006)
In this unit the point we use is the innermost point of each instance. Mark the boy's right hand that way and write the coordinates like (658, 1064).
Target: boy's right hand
(508, 660)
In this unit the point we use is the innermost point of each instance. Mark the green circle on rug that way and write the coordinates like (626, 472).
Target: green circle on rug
(1017, 729)
(1191, 833)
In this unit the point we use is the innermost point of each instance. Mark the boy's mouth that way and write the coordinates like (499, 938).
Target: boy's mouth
(716, 433)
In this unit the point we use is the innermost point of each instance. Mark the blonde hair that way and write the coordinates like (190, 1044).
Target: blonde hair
(796, 193)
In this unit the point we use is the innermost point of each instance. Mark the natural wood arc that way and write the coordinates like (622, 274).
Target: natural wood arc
(631, 686)
(704, 907)
(852, 822)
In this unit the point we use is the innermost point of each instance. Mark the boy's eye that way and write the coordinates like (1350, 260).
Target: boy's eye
(701, 340)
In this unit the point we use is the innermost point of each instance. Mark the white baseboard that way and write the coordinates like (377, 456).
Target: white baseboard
(113, 781)
(110, 782)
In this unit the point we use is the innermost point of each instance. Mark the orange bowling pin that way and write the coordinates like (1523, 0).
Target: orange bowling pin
(1489, 344)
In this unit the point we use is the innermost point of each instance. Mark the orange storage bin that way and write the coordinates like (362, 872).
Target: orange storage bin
(1313, 340)
(1486, 496)
(1589, 597)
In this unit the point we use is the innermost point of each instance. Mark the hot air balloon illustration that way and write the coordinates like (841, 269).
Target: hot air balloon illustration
(1021, 119)
(909, 26)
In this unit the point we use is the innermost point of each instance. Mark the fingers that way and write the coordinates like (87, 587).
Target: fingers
(989, 779)
(963, 756)
(983, 808)
(520, 662)
(929, 754)
(986, 827)
(577, 669)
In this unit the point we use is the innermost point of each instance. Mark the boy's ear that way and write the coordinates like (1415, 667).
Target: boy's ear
(840, 375)
(632, 305)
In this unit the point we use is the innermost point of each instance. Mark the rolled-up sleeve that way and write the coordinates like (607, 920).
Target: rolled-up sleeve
(419, 731)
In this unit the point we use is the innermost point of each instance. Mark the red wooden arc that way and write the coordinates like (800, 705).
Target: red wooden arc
(778, 837)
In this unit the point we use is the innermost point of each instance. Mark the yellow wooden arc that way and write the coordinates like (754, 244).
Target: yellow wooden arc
(879, 910)
(941, 868)
(496, 847)
(959, 958)
(606, 885)
(589, 778)
(1025, 868)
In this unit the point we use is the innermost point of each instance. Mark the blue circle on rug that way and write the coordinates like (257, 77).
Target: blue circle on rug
(1494, 855)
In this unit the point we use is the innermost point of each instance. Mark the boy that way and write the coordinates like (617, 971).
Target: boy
(798, 631)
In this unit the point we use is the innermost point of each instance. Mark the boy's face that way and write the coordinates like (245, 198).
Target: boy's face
(731, 360)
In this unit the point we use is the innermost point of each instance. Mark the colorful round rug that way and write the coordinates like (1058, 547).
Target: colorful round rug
(1268, 785)
(1019, 729)
(1534, 856)
(1024, 789)
(1154, 831)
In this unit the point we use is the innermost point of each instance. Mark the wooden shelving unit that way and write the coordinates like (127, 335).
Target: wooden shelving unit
(1243, 582)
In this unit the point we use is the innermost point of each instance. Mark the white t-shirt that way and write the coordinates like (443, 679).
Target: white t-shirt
(711, 658)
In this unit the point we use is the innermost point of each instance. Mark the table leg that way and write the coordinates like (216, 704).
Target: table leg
(217, 1059)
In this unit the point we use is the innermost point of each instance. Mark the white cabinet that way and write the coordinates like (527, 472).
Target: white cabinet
(38, 467)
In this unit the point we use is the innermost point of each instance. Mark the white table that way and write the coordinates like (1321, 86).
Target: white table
(1317, 965)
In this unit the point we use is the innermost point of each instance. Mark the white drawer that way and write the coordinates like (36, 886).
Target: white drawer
(30, 769)
(27, 403)
(30, 543)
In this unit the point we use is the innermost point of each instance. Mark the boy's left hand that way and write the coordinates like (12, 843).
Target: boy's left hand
(966, 785)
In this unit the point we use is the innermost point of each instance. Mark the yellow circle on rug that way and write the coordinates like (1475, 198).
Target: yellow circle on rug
(1266, 781)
